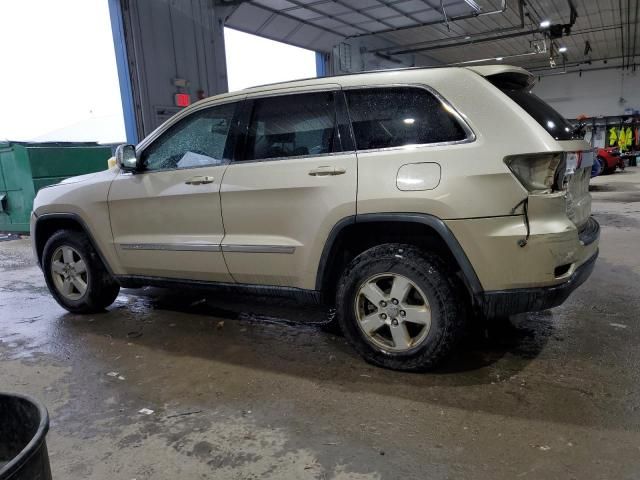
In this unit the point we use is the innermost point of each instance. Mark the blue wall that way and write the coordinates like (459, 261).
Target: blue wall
(124, 77)
(321, 64)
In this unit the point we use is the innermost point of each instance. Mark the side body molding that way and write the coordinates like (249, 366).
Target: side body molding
(435, 223)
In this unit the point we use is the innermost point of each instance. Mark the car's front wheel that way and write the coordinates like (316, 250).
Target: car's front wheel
(75, 275)
(400, 307)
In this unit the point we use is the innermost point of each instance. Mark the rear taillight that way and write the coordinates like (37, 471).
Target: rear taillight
(537, 172)
(548, 172)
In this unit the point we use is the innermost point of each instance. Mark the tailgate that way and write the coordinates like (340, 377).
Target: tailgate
(578, 174)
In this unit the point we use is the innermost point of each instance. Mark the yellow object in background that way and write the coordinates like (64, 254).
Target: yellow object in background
(613, 137)
(111, 163)
(622, 139)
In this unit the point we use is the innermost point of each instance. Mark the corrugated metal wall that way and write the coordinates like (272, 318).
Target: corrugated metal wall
(167, 40)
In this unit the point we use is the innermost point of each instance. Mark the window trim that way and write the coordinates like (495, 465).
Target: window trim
(470, 135)
(243, 128)
(237, 161)
(238, 129)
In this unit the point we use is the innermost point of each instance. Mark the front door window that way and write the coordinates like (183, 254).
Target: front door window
(196, 141)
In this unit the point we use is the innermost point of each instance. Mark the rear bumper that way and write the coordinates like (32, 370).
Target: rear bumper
(555, 249)
(509, 302)
(557, 259)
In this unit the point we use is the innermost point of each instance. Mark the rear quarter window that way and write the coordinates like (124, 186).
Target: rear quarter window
(552, 121)
(398, 116)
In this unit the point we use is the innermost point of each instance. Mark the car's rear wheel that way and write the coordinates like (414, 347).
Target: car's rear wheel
(75, 275)
(399, 307)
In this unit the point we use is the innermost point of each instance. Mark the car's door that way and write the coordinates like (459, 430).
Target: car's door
(166, 219)
(295, 177)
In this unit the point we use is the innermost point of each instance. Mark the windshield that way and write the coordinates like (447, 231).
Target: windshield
(541, 111)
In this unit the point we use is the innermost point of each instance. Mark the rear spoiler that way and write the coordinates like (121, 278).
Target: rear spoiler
(506, 76)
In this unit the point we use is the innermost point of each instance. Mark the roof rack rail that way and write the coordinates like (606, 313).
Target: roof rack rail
(363, 72)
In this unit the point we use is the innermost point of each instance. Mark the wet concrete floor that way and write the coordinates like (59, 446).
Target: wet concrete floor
(245, 388)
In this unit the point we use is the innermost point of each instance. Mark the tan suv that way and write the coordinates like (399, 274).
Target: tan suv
(408, 199)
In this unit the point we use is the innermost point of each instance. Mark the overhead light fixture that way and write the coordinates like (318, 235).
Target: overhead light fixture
(545, 24)
(409, 121)
(562, 49)
(499, 59)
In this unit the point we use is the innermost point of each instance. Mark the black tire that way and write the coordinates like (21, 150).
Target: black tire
(439, 284)
(332, 325)
(101, 290)
(606, 170)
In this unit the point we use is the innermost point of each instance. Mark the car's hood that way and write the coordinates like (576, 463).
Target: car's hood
(89, 176)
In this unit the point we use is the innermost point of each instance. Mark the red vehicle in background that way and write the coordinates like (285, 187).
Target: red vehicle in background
(607, 160)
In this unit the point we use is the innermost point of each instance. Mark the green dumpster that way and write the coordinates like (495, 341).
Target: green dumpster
(27, 167)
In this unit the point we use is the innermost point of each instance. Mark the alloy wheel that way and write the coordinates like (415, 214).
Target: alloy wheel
(69, 273)
(392, 312)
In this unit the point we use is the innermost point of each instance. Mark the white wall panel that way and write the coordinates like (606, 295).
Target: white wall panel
(594, 93)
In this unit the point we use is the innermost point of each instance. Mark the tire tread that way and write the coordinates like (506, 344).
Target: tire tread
(446, 287)
(102, 288)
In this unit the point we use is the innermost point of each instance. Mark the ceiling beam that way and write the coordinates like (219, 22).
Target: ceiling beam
(327, 15)
(436, 22)
(466, 42)
(291, 17)
(364, 13)
(521, 14)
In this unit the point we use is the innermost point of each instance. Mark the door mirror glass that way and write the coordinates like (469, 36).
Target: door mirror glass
(126, 157)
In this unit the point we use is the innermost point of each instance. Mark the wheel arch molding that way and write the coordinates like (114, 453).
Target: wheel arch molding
(334, 244)
(48, 223)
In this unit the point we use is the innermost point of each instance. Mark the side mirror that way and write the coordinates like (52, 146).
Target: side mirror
(126, 158)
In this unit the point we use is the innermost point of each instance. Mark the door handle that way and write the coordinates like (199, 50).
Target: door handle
(199, 180)
(325, 171)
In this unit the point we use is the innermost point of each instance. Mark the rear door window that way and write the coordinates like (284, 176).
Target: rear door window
(398, 116)
(292, 126)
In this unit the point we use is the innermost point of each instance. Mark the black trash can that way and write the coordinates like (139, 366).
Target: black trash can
(23, 450)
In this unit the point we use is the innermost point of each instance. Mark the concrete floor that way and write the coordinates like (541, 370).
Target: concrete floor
(245, 389)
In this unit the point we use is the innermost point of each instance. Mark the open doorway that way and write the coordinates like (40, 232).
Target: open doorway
(254, 60)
